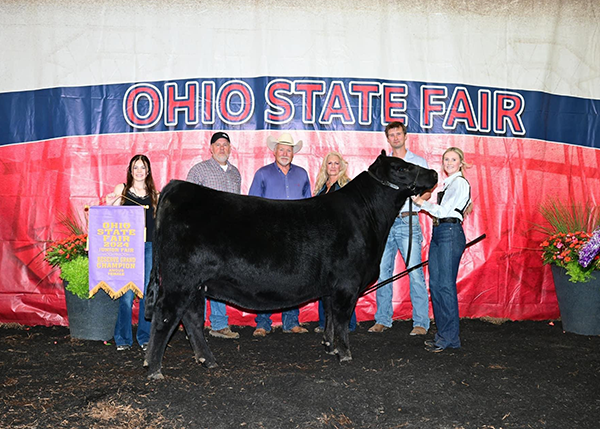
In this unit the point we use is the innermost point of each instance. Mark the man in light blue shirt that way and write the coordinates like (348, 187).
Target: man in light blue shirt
(281, 180)
(398, 240)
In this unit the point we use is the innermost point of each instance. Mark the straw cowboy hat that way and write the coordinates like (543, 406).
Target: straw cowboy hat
(286, 139)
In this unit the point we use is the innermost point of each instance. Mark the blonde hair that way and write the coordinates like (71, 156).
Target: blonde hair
(463, 164)
(322, 177)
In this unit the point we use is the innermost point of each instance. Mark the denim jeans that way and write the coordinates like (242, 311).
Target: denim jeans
(123, 331)
(398, 240)
(446, 249)
(351, 325)
(289, 319)
(218, 315)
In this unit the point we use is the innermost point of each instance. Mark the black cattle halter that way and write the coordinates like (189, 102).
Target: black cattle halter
(384, 182)
(412, 188)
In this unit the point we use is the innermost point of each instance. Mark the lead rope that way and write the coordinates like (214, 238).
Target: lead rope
(407, 271)
(410, 232)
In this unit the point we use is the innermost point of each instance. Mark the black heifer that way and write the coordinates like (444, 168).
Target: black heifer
(270, 254)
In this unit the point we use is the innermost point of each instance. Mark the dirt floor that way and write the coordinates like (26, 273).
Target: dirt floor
(510, 375)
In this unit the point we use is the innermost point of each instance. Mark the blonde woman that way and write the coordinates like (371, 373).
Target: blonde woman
(446, 248)
(333, 175)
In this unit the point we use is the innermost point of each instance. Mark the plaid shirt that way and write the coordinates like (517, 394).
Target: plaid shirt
(210, 174)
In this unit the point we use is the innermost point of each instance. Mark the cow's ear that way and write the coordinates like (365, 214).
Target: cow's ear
(383, 152)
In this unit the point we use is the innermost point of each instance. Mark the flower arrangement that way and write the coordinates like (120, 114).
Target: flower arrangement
(71, 257)
(62, 251)
(564, 250)
(569, 244)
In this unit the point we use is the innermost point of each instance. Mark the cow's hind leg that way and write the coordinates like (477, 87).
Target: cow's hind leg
(193, 320)
(328, 331)
(164, 323)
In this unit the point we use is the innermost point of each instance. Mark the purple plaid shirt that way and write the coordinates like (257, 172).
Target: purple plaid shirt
(210, 174)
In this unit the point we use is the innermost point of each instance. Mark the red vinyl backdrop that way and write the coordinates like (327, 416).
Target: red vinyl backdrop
(502, 276)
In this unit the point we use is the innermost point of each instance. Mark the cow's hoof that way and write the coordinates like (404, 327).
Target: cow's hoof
(345, 358)
(329, 348)
(206, 364)
(156, 376)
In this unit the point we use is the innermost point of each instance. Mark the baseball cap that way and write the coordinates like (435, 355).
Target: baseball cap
(219, 135)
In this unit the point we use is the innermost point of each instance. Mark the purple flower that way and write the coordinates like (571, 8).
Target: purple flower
(590, 249)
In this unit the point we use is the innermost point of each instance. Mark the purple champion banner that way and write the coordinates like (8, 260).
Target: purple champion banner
(116, 250)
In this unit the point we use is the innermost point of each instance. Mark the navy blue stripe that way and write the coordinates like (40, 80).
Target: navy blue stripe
(88, 110)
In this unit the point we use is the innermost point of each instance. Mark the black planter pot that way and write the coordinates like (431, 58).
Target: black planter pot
(579, 303)
(94, 318)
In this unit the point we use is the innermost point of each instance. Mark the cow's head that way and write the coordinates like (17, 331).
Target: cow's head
(399, 174)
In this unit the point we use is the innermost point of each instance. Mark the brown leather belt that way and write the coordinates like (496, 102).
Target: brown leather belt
(406, 214)
(436, 221)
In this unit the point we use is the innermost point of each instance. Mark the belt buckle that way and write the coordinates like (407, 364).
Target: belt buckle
(436, 222)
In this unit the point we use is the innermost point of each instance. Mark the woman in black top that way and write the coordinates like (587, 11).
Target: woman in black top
(138, 190)
(332, 176)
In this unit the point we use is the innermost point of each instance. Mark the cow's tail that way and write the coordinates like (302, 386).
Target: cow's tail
(152, 288)
(153, 285)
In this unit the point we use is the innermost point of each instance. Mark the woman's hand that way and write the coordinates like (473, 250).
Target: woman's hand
(110, 199)
(114, 198)
(418, 200)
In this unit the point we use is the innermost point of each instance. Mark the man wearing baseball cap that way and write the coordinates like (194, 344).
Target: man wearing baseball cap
(281, 180)
(218, 173)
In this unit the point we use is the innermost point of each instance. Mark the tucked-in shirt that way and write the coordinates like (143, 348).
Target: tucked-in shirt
(270, 182)
(456, 196)
(210, 173)
(420, 161)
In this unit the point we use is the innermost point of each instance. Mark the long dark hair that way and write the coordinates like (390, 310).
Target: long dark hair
(149, 182)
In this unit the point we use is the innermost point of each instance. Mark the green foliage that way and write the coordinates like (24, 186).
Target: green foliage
(579, 274)
(568, 218)
(76, 273)
(70, 255)
(72, 222)
(63, 251)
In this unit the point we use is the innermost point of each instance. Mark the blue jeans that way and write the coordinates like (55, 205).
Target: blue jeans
(218, 315)
(289, 319)
(447, 246)
(351, 325)
(398, 240)
(123, 332)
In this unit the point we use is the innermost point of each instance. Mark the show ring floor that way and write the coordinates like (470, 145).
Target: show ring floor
(512, 375)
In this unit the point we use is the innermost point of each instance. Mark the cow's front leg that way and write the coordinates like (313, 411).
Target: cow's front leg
(342, 309)
(341, 341)
(193, 320)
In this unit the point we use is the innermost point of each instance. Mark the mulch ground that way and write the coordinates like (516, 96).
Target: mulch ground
(511, 375)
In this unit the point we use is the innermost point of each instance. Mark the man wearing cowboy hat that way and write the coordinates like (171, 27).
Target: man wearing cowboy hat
(281, 180)
(218, 173)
